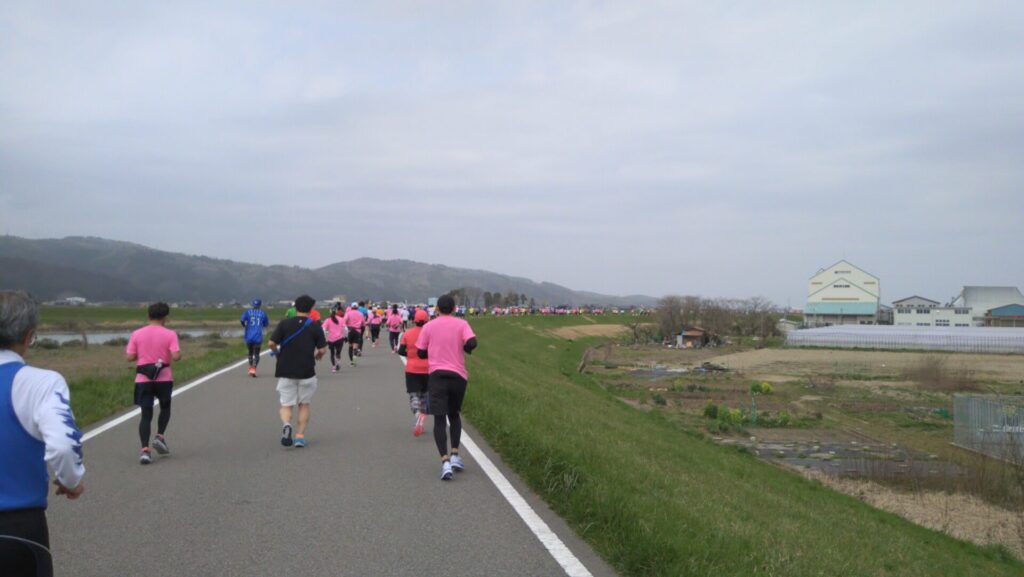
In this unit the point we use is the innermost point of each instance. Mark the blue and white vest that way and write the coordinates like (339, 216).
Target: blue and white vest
(24, 480)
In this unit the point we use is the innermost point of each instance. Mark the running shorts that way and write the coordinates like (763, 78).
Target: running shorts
(296, 391)
(355, 336)
(416, 382)
(447, 391)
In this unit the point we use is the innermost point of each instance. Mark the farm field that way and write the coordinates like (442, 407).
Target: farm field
(877, 425)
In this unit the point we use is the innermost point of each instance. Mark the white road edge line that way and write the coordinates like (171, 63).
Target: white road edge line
(136, 412)
(570, 564)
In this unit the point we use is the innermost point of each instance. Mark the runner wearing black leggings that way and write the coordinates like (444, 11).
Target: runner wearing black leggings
(444, 342)
(394, 323)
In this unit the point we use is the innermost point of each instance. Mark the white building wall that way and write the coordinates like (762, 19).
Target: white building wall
(843, 283)
(933, 317)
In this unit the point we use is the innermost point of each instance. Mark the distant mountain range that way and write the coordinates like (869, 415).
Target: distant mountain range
(114, 271)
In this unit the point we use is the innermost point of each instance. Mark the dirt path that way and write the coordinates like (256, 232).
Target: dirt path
(582, 331)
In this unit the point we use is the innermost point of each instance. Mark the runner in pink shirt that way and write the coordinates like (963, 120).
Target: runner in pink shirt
(337, 333)
(375, 321)
(394, 323)
(152, 348)
(444, 342)
(355, 321)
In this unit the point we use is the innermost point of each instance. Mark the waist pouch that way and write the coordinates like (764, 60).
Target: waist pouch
(151, 370)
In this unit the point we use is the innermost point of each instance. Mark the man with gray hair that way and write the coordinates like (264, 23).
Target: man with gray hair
(36, 429)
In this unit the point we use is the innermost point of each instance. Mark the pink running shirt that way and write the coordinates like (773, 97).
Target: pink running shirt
(152, 343)
(354, 319)
(335, 330)
(394, 322)
(443, 339)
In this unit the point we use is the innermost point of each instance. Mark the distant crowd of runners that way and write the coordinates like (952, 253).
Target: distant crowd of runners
(38, 429)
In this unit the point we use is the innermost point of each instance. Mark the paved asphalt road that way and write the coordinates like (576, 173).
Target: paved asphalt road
(362, 499)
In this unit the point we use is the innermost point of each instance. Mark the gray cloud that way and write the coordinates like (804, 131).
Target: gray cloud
(631, 147)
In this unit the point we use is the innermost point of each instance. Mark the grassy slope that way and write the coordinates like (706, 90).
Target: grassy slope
(656, 500)
(96, 397)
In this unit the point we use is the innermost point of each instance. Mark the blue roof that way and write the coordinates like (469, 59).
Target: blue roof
(1008, 311)
(860, 309)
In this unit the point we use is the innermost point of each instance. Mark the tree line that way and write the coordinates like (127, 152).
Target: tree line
(477, 297)
(752, 317)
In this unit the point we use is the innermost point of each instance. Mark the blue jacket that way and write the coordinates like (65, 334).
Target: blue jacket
(254, 321)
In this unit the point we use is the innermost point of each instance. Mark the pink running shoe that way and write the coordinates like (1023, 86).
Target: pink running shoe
(418, 429)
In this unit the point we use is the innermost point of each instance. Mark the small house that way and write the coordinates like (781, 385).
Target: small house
(695, 338)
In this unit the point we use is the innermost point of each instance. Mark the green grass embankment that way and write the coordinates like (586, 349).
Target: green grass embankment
(96, 397)
(654, 499)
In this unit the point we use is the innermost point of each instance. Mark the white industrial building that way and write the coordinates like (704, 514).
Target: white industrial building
(842, 294)
(918, 311)
(971, 308)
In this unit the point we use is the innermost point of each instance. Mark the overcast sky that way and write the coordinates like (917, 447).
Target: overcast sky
(711, 148)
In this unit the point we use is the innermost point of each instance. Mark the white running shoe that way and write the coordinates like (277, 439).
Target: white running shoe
(446, 471)
(145, 458)
(160, 444)
(457, 463)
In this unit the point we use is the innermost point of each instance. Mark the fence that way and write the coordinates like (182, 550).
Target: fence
(958, 339)
(989, 424)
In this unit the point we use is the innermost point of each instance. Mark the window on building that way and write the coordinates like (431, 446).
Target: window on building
(924, 311)
(962, 325)
(962, 311)
(942, 322)
(924, 324)
(840, 286)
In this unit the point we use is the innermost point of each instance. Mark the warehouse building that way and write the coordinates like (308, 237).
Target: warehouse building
(982, 299)
(975, 306)
(918, 311)
(842, 294)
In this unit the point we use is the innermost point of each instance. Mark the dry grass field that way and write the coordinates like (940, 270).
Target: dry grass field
(875, 425)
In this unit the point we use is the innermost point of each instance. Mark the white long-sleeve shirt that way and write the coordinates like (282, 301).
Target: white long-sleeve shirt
(41, 403)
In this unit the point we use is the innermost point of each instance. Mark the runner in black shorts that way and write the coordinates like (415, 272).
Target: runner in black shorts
(444, 342)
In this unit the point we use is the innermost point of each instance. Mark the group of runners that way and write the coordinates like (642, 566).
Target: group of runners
(435, 371)
(38, 429)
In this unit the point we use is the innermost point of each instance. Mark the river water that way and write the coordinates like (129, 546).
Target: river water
(98, 338)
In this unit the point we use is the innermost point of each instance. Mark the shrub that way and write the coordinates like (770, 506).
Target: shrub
(73, 343)
(711, 411)
(47, 344)
(730, 416)
(760, 388)
(659, 400)
(117, 342)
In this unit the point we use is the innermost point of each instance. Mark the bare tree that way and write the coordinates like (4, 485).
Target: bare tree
(670, 315)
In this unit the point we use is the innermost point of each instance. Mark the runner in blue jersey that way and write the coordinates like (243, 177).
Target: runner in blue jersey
(254, 320)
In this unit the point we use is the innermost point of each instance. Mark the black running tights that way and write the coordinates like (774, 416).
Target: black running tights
(393, 339)
(254, 354)
(337, 350)
(439, 432)
(147, 419)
